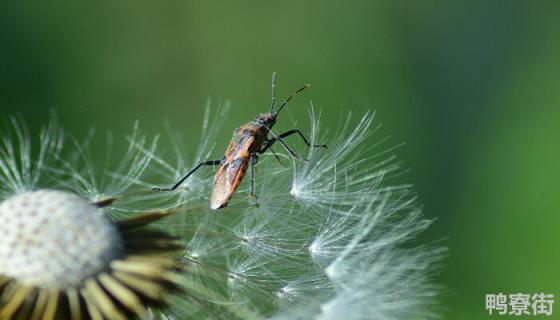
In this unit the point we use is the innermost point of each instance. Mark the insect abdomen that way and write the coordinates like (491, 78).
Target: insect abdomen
(231, 172)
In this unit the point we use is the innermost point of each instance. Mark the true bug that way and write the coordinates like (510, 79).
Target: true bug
(248, 142)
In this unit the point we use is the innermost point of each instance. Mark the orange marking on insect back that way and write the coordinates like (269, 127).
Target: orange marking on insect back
(231, 171)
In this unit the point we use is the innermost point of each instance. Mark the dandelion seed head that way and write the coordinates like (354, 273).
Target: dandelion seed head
(333, 271)
(287, 293)
(327, 308)
(295, 191)
(193, 254)
(54, 239)
(316, 250)
(236, 282)
(62, 246)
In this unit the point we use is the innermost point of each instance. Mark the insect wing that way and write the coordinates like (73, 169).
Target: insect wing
(229, 175)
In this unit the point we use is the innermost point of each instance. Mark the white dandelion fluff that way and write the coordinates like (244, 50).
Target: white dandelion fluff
(329, 238)
(19, 170)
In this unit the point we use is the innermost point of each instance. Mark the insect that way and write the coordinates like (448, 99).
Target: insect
(248, 142)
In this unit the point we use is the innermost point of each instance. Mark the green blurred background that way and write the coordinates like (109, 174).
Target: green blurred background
(472, 87)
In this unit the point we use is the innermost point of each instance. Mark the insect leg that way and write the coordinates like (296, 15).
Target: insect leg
(176, 185)
(277, 157)
(284, 144)
(254, 160)
(291, 132)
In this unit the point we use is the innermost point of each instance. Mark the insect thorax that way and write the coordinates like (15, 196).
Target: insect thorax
(266, 119)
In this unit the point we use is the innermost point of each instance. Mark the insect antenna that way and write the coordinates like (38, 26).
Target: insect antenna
(273, 92)
(293, 95)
